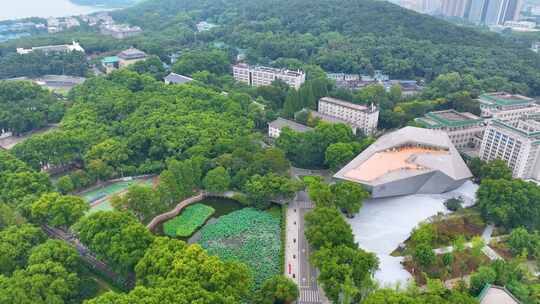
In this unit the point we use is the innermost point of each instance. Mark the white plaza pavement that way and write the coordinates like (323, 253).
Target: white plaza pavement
(382, 224)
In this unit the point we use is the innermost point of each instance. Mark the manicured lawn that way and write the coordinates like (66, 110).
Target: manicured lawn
(250, 236)
(188, 221)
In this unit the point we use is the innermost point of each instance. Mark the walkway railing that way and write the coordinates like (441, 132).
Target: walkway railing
(174, 212)
(89, 257)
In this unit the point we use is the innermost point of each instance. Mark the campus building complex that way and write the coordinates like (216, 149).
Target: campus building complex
(506, 107)
(130, 56)
(408, 161)
(276, 126)
(74, 47)
(464, 129)
(364, 118)
(263, 76)
(517, 144)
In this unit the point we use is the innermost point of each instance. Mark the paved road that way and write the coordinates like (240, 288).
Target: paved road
(297, 248)
(310, 293)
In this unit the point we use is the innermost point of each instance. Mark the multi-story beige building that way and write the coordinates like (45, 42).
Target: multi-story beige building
(506, 107)
(360, 117)
(464, 129)
(518, 145)
(264, 76)
(130, 56)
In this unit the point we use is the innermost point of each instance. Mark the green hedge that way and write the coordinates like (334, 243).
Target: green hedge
(188, 221)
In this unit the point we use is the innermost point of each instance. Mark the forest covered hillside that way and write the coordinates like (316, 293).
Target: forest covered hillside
(342, 36)
(349, 17)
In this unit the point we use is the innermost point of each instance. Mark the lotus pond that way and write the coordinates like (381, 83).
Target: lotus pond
(221, 206)
(250, 236)
(185, 224)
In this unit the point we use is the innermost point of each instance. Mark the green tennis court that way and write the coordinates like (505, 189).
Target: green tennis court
(103, 206)
(104, 193)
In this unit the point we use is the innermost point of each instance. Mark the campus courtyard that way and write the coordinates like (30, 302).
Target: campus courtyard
(383, 224)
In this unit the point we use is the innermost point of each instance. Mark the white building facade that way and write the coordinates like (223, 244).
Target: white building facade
(73, 47)
(264, 76)
(361, 117)
(518, 146)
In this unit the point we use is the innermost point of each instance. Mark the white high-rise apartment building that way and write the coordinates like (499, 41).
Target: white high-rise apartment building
(500, 11)
(264, 76)
(454, 8)
(518, 146)
(358, 116)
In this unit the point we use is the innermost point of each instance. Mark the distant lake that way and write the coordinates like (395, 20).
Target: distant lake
(16, 9)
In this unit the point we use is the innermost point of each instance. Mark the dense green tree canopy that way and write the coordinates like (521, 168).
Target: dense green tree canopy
(336, 264)
(510, 203)
(38, 64)
(213, 61)
(58, 210)
(308, 149)
(326, 227)
(25, 106)
(172, 263)
(355, 37)
(16, 245)
(116, 237)
(131, 123)
(217, 180)
(139, 200)
(56, 251)
(277, 290)
(43, 283)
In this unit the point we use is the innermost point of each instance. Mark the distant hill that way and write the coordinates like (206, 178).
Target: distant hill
(344, 36)
(351, 17)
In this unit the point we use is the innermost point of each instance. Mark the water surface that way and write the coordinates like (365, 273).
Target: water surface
(16, 9)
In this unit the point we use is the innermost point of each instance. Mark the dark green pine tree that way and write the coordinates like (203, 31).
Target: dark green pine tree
(292, 104)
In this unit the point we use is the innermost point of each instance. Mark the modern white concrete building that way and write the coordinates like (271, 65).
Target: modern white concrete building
(263, 76)
(464, 129)
(408, 161)
(506, 107)
(516, 144)
(276, 126)
(360, 117)
(75, 46)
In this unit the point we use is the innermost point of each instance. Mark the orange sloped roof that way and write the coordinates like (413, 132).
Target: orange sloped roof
(384, 162)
